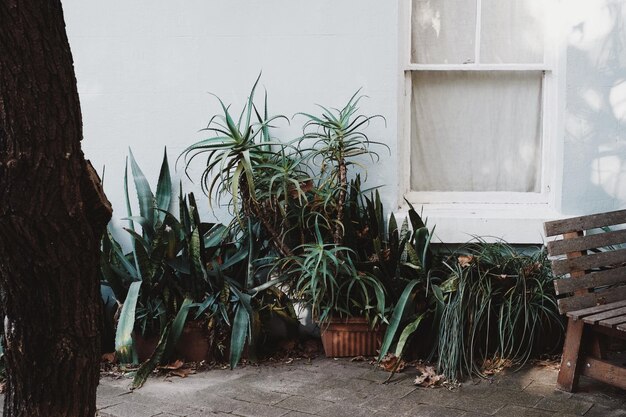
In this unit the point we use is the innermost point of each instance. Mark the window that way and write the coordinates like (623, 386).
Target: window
(478, 117)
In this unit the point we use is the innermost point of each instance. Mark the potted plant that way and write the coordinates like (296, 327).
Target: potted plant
(296, 195)
(162, 281)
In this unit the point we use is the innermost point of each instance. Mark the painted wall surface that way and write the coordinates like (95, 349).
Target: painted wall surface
(145, 68)
(595, 114)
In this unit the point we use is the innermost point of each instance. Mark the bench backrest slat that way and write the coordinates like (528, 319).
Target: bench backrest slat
(594, 221)
(591, 280)
(583, 263)
(591, 299)
(594, 260)
(600, 240)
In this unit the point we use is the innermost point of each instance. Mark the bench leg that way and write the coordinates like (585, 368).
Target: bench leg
(598, 346)
(569, 373)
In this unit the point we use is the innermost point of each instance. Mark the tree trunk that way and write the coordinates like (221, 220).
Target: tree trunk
(52, 215)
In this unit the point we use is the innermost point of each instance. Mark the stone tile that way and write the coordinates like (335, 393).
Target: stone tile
(257, 396)
(131, 410)
(569, 405)
(604, 411)
(258, 410)
(380, 376)
(214, 403)
(395, 390)
(306, 405)
(182, 410)
(338, 410)
(507, 396)
(484, 404)
(549, 391)
(517, 411)
(297, 414)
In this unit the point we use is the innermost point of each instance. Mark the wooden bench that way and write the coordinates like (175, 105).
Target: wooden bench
(592, 284)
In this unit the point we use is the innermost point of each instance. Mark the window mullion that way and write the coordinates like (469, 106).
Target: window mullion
(477, 32)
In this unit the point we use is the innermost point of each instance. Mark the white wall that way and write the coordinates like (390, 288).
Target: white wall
(595, 115)
(145, 68)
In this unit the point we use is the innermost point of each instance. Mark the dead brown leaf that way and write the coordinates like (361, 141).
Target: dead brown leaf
(390, 363)
(428, 377)
(174, 365)
(182, 372)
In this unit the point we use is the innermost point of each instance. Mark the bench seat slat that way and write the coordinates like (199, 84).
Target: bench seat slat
(613, 312)
(575, 224)
(582, 263)
(561, 247)
(578, 314)
(592, 302)
(613, 321)
(591, 280)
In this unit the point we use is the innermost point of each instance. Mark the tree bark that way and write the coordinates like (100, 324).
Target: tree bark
(52, 215)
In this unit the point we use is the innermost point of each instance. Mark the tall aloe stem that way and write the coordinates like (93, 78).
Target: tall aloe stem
(341, 200)
(252, 208)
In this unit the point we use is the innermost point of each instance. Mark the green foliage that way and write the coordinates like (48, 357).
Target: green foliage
(497, 305)
(295, 196)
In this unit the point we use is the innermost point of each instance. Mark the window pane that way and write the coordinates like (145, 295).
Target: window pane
(476, 131)
(443, 31)
(512, 31)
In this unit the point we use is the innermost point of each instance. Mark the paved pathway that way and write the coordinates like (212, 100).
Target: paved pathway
(335, 388)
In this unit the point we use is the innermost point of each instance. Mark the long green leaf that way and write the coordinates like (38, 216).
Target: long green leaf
(164, 186)
(125, 325)
(144, 193)
(396, 317)
(408, 331)
(240, 329)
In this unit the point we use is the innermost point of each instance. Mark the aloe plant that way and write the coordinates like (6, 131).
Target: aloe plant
(337, 140)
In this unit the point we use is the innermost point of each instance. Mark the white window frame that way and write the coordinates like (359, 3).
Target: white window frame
(513, 216)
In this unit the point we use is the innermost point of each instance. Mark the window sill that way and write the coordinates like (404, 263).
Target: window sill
(459, 223)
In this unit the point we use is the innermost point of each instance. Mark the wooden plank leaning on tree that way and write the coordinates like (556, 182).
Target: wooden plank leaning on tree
(594, 293)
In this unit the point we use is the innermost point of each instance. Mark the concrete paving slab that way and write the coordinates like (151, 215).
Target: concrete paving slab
(338, 388)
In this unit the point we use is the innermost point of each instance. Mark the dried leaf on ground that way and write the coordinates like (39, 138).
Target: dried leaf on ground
(174, 365)
(182, 372)
(390, 363)
(428, 377)
(358, 359)
(495, 366)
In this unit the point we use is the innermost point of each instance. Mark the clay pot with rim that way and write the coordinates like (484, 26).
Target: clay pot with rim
(349, 337)
(194, 344)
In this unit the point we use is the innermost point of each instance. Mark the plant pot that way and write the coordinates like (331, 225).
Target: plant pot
(350, 337)
(144, 345)
(193, 345)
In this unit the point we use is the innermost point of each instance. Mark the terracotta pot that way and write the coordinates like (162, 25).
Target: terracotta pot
(193, 345)
(350, 337)
(144, 345)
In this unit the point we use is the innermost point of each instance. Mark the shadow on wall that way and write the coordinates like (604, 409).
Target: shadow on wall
(595, 117)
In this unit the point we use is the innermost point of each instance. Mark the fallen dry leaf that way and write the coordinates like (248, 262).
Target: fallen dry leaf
(182, 372)
(390, 363)
(428, 377)
(174, 365)
(358, 359)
